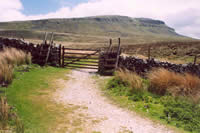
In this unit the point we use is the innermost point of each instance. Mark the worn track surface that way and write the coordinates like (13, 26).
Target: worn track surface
(98, 113)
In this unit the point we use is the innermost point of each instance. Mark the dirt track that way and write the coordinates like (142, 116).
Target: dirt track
(97, 112)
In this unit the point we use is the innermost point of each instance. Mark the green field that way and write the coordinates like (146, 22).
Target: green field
(30, 95)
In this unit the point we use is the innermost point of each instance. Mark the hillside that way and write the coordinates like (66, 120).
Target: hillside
(94, 28)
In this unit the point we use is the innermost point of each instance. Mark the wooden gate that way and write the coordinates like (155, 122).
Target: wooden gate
(80, 58)
(109, 59)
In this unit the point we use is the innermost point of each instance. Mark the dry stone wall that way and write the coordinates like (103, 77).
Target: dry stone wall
(142, 66)
(38, 52)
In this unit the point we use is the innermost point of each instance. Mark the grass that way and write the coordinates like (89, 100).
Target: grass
(4, 112)
(32, 95)
(164, 81)
(178, 53)
(13, 56)
(131, 78)
(178, 113)
(6, 73)
(29, 94)
(9, 58)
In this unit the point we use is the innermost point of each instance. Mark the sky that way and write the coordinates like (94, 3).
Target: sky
(182, 15)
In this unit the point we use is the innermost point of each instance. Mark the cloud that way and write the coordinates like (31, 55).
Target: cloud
(11, 10)
(183, 15)
(186, 22)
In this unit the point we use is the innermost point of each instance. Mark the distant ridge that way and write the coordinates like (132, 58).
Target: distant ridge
(109, 26)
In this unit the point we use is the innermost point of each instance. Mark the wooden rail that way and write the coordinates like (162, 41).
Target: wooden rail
(74, 57)
(79, 58)
(81, 49)
(81, 64)
(77, 53)
(71, 67)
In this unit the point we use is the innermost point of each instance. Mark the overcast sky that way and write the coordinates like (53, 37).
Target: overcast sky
(183, 15)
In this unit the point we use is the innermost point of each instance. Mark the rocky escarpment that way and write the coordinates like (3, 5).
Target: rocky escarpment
(149, 21)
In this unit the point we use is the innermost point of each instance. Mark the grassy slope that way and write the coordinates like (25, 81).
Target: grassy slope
(91, 28)
(105, 25)
(29, 94)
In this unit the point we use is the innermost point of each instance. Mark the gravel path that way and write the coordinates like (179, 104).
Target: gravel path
(81, 90)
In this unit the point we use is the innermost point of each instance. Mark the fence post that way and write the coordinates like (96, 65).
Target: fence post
(195, 59)
(109, 46)
(45, 37)
(149, 52)
(60, 55)
(63, 56)
(49, 48)
(118, 53)
(51, 39)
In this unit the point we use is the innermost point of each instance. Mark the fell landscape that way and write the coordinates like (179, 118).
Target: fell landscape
(99, 73)
(96, 29)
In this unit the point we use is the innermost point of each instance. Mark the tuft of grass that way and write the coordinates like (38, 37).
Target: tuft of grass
(8, 117)
(9, 58)
(28, 58)
(131, 78)
(4, 112)
(163, 81)
(6, 73)
(14, 56)
(19, 126)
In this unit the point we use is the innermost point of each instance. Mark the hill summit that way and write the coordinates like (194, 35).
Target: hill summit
(106, 26)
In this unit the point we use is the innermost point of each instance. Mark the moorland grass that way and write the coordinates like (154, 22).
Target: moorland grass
(131, 78)
(4, 113)
(174, 110)
(163, 81)
(9, 58)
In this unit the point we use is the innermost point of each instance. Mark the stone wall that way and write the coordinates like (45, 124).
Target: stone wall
(141, 66)
(38, 52)
(107, 63)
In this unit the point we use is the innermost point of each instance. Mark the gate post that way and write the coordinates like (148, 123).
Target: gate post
(60, 58)
(118, 53)
(195, 60)
(63, 56)
(101, 68)
(149, 52)
(110, 45)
